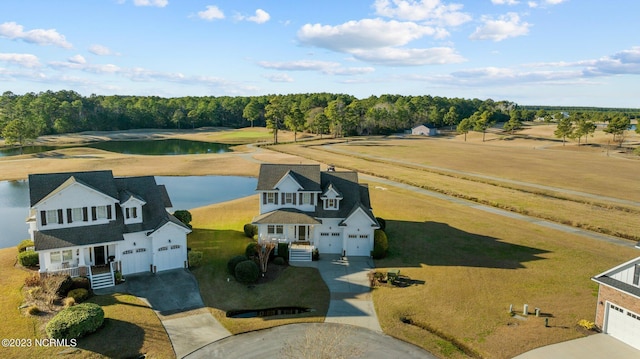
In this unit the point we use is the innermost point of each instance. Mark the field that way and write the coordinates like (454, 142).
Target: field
(474, 265)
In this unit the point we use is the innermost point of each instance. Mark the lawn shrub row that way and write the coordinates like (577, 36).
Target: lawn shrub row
(28, 258)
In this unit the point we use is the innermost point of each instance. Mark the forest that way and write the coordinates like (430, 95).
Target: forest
(24, 117)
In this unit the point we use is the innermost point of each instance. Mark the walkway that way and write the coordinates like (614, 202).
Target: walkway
(593, 346)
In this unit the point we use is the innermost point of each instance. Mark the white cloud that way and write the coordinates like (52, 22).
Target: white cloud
(325, 67)
(24, 60)
(430, 11)
(363, 34)
(506, 26)
(260, 17)
(626, 62)
(532, 4)
(100, 50)
(505, 2)
(156, 3)
(554, 2)
(409, 57)
(77, 59)
(211, 13)
(279, 78)
(14, 31)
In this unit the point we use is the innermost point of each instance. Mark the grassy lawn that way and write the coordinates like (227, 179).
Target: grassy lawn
(218, 234)
(131, 328)
(474, 266)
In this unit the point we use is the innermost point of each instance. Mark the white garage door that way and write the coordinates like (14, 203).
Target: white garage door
(358, 245)
(623, 325)
(169, 257)
(329, 243)
(135, 261)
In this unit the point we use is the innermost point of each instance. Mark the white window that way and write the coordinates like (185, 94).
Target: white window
(275, 229)
(306, 198)
(353, 236)
(76, 215)
(101, 212)
(288, 198)
(52, 216)
(61, 256)
(330, 203)
(364, 236)
(271, 197)
(56, 257)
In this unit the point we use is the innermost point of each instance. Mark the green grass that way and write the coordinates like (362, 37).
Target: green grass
(218, 234)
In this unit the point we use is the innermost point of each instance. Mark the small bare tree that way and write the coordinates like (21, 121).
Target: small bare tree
(264, 248)
(325, 341)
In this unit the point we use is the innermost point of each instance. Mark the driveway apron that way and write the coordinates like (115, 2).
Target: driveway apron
(175, 297)
(348, 283)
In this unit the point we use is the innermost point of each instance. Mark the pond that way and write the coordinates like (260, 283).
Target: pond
(147, 147)
(185, 193)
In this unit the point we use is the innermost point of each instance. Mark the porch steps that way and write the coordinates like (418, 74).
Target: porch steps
(300, 253)
(103, 280)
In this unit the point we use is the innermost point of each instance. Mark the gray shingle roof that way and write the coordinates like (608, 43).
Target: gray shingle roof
(286, 216)
(308, 176)
(628, 288)
(154, 212)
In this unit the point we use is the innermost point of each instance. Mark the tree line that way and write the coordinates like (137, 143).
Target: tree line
(24, 117)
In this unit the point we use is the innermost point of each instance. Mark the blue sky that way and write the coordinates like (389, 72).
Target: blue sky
(540, 52)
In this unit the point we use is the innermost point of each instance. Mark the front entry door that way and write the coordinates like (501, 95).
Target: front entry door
(99, 253)
(302, 233)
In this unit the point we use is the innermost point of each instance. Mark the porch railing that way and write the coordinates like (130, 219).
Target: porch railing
(71, 271)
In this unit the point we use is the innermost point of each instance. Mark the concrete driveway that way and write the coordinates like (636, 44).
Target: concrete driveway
(175, 297)
(593, 346)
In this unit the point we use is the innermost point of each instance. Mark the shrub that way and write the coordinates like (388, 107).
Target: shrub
(250, 230)
(79, 295)
(233, 262)
(32, 280)
(283, 250)
(28, 258)
(382, 222)
(80, 282)
(61, 284)
(315, 256)
(247, 272)
(118, 277)
(22, 246)
(380, 244)
(250, 251)
(195, 258)
(75, 321)
(183, 216)
(588, 325)
(33, 310)
(69, 302)
(279, 261)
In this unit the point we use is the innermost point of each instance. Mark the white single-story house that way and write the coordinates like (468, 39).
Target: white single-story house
(312, 209)
(90, 223)
(425, 130)
(618, 307)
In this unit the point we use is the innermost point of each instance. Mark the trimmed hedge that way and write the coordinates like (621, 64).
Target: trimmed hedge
(251, 251)
(79, 295)
(247, 272)
(75, 321)
(195, 258)
(81, 282)
(279, 261)
(380, 244)
(250, 230)
(283, 250)
(183, 216)
(233, 262)
(23, 245)
(28, 258)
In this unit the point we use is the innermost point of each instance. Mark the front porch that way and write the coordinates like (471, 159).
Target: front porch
(301, 251)
(100, 276)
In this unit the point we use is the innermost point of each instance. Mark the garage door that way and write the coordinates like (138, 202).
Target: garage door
(330, 243)
(169, 257)
(358, 245)
(623, 325)
(135, 261)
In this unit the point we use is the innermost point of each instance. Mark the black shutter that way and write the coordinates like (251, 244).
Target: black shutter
(294, 195)
(69, 219)
(283, 199)
(264, 197)
(108, 212)
(276, 197)
(135, 212)
(85, 214)
(313, 195)
(60, 217)
(43, 217)
(94, 215)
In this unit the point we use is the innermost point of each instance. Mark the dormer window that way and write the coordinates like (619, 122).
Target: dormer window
(331, 203)
(131, 212)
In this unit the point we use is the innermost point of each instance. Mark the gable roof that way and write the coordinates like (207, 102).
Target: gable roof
(308, 176)
(607, 279)
(154, 212)
(41, 185)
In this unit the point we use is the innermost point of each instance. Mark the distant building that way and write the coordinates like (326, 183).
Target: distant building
(425, 130)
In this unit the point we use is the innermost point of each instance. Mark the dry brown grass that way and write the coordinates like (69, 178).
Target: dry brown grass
(474, 266)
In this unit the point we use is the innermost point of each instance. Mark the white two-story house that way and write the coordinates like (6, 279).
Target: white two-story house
(327, 210)
(618, 307)
(90, 223)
